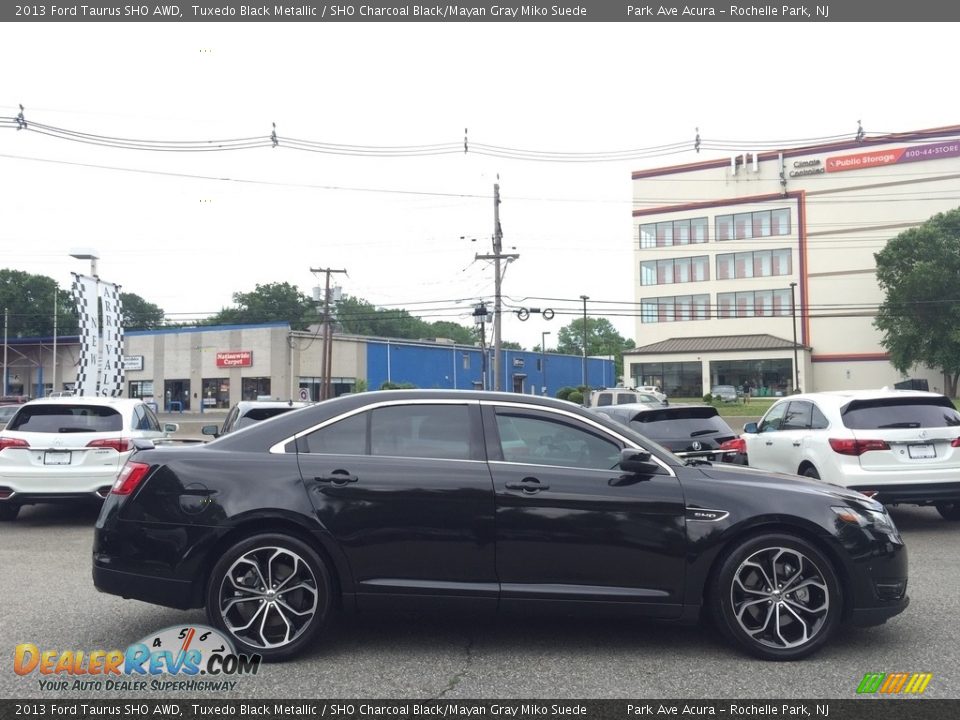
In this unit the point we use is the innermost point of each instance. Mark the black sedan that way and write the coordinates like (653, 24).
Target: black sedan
(487, 501)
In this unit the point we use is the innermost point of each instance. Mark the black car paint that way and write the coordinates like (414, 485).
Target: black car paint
(630, 545)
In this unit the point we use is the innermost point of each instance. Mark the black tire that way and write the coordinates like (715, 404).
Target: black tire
(811, 472)
(747, 610)
(294, 615)
(8, 512)
(949, 511)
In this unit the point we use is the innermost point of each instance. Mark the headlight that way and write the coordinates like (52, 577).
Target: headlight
(865, 517)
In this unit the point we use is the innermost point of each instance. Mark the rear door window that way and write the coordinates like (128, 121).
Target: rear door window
(67, 419)
(889, 413)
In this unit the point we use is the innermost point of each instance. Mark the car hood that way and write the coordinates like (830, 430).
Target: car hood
(780, 481)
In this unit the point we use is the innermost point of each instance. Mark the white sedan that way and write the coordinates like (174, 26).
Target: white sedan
(70, 448)
(897, 446)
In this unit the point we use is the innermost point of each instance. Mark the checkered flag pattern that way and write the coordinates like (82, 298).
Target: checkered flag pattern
(84, 291)
(111, 350)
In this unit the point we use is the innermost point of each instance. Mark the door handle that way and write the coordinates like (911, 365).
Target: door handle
(337, 477)
(769, 442)
(527, 485)
(796, 443)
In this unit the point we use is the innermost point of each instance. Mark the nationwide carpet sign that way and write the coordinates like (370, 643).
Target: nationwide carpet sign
(237, 358)
(895, 156)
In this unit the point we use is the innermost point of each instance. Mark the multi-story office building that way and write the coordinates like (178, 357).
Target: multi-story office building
(758, 270)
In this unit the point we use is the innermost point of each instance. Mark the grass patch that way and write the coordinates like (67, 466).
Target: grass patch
(755, 407)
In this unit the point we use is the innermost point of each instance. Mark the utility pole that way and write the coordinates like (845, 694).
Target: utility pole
(6, 320)
(584, 298)
(326, 369)
(793, 312)
(53, 370)
(497, 256)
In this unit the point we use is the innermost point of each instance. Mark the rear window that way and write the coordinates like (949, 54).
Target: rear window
(258, 414)
(680, 423)
(67, 419)
(628, 398)
(912, 412)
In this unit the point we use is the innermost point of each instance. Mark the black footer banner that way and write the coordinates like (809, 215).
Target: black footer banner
(863, 708)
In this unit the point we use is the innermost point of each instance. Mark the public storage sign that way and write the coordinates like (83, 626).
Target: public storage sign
(235, 358)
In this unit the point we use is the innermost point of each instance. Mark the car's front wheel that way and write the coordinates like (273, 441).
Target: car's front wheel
(8, 512)
(949, 511)
(777, 597)
(271, 594)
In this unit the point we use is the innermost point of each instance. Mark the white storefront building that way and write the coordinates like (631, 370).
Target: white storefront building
(735, 257)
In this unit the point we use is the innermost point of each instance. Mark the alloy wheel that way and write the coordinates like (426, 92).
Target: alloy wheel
(780, 598)
(268, 597)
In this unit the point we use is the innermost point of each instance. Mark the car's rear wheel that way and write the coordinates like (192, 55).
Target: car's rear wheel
(271, 594)
(777, 597)
(949, 511)
(811, 472)
(8, 512)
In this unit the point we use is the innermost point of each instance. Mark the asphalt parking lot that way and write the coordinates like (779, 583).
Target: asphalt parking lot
(48, 599)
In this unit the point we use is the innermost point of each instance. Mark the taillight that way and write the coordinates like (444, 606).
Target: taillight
(955, 442)
(738, 444)
(121, 445)
(9, 442)
(130, 477)
(851, 446)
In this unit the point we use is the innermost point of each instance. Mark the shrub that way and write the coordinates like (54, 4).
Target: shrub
(564, 392)
(575, 397)
(708, 399)
(397, 386)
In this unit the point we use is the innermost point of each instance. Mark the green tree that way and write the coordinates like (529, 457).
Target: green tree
(920, 316)
(602, 339)
(29, 302)
(138, 314)
(273, 302)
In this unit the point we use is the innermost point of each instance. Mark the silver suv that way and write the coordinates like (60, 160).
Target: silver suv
(248, 412)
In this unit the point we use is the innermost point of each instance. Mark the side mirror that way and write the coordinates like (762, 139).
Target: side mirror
(170, 428)
(751, 428)
(637, 462)
(210, 430)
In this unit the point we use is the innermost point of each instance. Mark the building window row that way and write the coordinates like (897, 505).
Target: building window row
(754, 303)
(675, 270)
(691, 231)
(673, 309)
(759, 263)
(759, 224)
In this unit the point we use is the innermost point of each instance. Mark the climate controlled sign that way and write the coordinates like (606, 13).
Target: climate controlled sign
(235, 358)
(858, 161)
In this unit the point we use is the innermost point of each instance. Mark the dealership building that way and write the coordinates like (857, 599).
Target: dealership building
(758, 270)
(214, 367)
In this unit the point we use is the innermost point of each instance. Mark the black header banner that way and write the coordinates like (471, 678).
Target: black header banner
(822, 11)
(539, 709)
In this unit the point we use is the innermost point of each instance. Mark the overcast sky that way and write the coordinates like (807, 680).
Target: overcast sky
(168, 228)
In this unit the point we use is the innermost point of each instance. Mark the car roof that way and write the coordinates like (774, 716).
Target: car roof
(87, 400)
(246, 405)
(843, 397)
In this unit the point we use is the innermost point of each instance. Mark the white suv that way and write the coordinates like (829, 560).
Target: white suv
(897, 446)
(70, 448)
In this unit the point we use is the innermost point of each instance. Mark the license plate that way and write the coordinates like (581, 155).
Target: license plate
(921, 451)
(56, 457)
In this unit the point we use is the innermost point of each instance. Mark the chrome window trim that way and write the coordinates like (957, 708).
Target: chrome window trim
(278, 448)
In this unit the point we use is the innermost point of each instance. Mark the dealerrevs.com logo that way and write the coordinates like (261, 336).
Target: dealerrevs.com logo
(894, 683)
(193, 658)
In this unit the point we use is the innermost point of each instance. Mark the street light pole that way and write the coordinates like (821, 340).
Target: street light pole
(793, 312)
(584, 298)
(543, 358)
